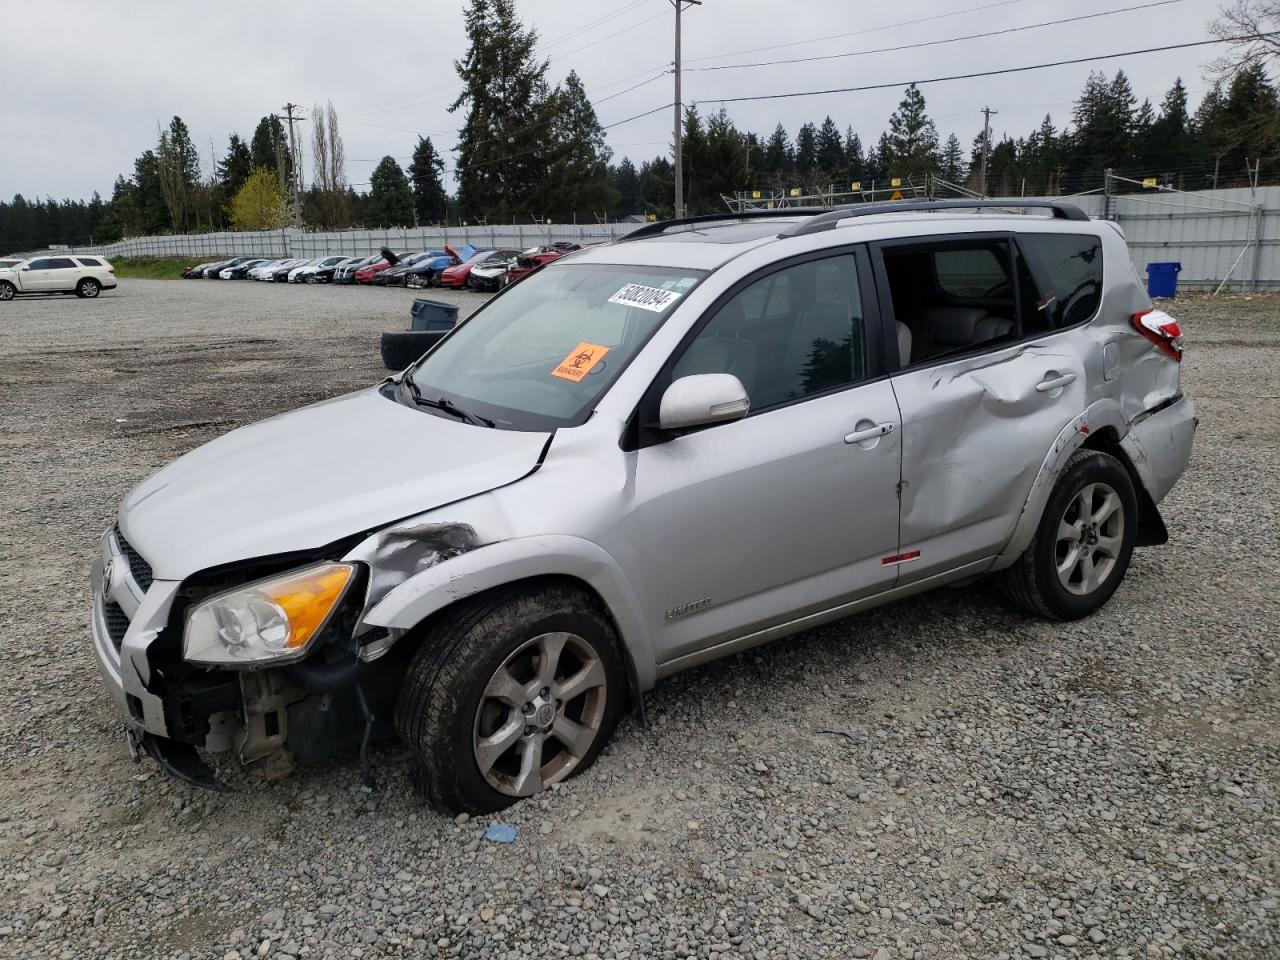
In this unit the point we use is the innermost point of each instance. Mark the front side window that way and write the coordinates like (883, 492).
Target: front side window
(541, 355)
(1073, 265)
(40, 265)
(789, 335)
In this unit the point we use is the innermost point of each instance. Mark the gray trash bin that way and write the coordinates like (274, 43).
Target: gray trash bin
(431, 315)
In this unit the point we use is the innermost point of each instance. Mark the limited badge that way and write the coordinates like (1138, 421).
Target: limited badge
(579, 361)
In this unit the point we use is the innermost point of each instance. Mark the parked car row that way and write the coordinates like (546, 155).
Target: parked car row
(471, 267)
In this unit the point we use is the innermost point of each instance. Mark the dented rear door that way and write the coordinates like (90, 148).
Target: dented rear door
(975, 430)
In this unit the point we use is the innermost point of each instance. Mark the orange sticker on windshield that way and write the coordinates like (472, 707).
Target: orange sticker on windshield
(579, 361)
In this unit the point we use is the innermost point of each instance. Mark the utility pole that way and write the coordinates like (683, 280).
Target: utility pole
(679, 171)
(987, 113)
(296, 183)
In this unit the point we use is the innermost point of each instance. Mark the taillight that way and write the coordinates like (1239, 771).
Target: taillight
(1162, 330)
(111, 270)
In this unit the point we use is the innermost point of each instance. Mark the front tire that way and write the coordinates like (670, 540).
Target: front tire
(1083, 544)
(516, 691)
(88, 288)
(7, 290)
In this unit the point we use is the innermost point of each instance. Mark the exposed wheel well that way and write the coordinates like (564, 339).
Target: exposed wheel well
(1151, 529)
(426, 628)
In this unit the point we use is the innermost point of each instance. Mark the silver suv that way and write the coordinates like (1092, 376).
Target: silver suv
(645, 456)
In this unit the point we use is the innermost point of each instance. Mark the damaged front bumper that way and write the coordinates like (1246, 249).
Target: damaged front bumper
(165, 721)
(271, 718)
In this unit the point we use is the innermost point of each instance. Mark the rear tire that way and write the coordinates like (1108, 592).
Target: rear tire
(515, 691)
(1083, 544)
(88, 288)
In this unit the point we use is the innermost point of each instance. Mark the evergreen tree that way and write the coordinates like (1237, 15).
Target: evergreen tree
(854, 162)
(501, 144)
(390, 199)
(148, 195)
(262, 146)
(626, 179)
(951, 164)
(779, 156)
(694, 150)
(657, 187)
(178, 169)
(1241, 126)
(235, 166)
(829, 149)
(723, 162)
(1170, 134)
(913, 138)
(806, 151)
(425, 172)
(576, 179)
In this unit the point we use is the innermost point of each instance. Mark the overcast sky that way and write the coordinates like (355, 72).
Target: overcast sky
(87, 81)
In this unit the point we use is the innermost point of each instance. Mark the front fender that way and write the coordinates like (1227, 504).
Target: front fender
(507, 561)
(1099, 415)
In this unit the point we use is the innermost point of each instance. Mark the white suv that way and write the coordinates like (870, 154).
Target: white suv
(83, 276)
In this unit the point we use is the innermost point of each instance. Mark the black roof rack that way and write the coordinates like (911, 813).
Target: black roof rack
(827, 219)
(662, 226)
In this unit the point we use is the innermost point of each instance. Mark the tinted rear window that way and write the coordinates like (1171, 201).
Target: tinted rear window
(1074, 268)
(89, 262)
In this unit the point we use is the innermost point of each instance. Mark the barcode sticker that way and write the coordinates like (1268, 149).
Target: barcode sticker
(646, 298)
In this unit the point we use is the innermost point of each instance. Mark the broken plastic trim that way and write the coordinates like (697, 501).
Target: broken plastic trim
(181, 762)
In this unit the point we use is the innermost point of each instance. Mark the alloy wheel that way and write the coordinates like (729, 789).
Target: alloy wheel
(540, 714)
(1090, 538)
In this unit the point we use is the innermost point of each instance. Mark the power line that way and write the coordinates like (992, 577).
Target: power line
(858, 33)
(989, 73)
(946, 40)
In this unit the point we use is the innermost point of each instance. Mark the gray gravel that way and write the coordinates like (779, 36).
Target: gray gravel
(939, 778)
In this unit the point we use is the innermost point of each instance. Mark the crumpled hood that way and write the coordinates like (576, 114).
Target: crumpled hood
(306, 478)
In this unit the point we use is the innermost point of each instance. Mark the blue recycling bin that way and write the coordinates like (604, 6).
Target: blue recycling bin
(1162, 279)
(430, 315)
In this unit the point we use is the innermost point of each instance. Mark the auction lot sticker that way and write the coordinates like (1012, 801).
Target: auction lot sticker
(646, 298)
(580, 361)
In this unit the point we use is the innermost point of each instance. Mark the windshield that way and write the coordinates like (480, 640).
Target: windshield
(478, 256)
(540, 355)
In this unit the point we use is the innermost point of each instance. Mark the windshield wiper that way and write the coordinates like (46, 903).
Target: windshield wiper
(445, 405)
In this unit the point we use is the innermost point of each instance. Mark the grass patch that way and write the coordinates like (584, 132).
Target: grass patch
(152, 268)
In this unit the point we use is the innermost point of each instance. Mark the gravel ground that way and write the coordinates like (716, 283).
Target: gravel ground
(939, 778)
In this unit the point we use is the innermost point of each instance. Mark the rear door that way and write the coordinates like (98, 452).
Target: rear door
(985, 388)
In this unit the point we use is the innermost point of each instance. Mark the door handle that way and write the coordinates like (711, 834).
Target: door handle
(871, 433)
(1044, 386)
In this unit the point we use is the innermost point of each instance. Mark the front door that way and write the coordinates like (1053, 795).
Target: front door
(793, 509)
(43, 274)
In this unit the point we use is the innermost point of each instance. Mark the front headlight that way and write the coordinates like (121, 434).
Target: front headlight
(270, 621)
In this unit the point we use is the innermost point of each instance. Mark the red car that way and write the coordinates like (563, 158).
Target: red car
(388, 260)
(456, 276)
(537, 257)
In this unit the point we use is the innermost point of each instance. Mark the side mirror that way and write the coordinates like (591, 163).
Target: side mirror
(703, 398)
